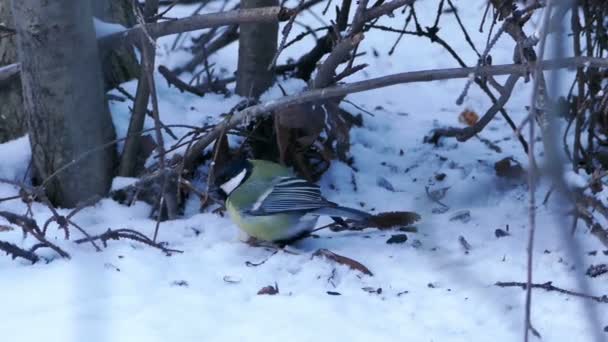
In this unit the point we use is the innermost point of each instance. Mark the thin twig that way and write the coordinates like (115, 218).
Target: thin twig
(197, 22)
(129, 234)
(532, 171)
(548, 286)
(17, 252)
(464, 134)
(285, 33)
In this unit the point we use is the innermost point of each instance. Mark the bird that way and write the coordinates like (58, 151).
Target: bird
(270, 203)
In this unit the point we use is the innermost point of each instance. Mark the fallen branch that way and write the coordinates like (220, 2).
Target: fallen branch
(17, 252)
(30, 226)
(379, 82)
(548, 286)
(129, 234)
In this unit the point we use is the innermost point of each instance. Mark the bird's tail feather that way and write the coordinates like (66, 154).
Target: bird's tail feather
(350, 213)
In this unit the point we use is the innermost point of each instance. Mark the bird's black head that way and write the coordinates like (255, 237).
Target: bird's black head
(233, 174)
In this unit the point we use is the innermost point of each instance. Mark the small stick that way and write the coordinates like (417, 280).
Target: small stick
(548, 286)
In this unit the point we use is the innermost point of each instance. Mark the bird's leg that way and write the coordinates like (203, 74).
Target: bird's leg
(255, 242)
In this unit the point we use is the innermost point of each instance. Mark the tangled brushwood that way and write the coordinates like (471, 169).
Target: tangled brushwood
(309, 129)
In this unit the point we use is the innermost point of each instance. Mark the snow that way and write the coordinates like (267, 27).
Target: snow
(123, 182)
(574, 180)
(103, 28)
(432, 289)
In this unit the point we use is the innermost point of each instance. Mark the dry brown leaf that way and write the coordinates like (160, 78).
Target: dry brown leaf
(269, 290)
(5, 228)
(303, 116)
(509, 168)
(342, 260)
(468, 117)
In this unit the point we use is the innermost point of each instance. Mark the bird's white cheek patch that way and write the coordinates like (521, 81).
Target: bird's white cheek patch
(234, 182)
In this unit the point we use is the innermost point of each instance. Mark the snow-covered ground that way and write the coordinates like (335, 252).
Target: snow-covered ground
(431, 289)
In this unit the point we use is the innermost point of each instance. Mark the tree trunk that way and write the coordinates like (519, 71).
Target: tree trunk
(12, 122)
(131, 160)
(118, 65)
(67, 115)
(257, 47)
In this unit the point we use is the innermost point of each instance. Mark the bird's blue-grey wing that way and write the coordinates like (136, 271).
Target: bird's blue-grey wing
(289, 194)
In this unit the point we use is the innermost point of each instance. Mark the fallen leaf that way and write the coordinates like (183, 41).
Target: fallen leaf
(461, 215)
(500, 233)
(370, 289)
(342, 260)
(397, 238)
(385, 184)
(465, 244)
(181, 283)
(269, 290)
(597, 270)
(468, 117)
(508, 168)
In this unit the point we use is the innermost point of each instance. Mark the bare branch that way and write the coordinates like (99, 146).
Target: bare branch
(464, 134)
(378, 11)
(129, 234)
(548, 286)
(532, 165)
(30, 226)
(173, 79)
(197, 22)
(17, 252)
(374, 83)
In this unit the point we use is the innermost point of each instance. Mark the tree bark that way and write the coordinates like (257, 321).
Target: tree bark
(67, 115)
(118, 65)
(131, 160)
(12, 121)
(257, 47)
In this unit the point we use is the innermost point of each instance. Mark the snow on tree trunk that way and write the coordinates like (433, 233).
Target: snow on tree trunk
(64, 102)
(257, 47)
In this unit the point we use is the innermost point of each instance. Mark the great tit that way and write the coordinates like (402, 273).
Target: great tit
(268, 202)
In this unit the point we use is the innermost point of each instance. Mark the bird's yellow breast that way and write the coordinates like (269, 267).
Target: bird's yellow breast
(272, 227)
